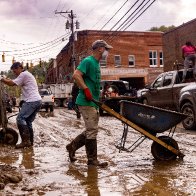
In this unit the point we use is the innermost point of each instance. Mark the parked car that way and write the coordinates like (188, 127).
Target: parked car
(187, 105)
(164, 90)
(47, 99)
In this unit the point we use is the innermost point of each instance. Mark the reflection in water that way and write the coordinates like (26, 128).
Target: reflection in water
(161, 180)
(28, 158)
(90, 181)
(8, 155)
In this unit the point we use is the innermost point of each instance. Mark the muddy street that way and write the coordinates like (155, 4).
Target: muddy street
(46, 169)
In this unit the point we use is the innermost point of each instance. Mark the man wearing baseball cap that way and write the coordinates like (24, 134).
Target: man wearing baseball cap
(87, 76)
(31, 102)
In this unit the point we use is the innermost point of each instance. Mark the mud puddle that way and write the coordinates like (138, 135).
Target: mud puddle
(46, 170)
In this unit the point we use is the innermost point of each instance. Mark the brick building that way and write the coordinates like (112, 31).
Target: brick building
(173, 41)
(136, 57)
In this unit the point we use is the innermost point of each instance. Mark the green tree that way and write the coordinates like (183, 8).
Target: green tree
(162, 28)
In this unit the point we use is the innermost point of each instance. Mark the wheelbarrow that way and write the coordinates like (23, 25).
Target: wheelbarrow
(149, 121)
(7, 135)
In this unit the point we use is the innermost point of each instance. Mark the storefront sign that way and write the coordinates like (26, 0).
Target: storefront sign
(123, 71)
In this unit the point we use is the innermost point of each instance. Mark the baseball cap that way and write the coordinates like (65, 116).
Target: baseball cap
(100, 43)
(16, 65)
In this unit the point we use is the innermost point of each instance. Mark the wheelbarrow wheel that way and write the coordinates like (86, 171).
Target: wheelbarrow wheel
(161, 153)
(10, 136)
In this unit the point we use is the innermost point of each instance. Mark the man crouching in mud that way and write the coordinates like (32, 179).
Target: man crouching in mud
(87, 76)
(31, 102)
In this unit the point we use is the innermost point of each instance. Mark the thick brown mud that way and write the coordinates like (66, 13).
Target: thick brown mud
(46, 169)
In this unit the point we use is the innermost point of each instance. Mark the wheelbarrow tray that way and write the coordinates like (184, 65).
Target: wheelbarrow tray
(146, 133)
(151, 119)
(114, 102)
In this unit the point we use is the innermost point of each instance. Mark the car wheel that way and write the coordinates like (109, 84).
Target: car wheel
(145, 101)
(57, 103)
(189, 122)
(10, 136)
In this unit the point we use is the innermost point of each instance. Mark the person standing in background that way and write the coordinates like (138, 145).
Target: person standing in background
(189, 55)
(74, 93)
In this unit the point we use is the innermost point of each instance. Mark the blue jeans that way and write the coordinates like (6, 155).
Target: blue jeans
(28, 112)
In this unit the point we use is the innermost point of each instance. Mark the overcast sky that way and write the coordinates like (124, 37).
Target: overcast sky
(30, 29)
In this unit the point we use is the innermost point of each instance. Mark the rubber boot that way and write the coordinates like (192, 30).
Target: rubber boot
(31, 136)
(25, 136)
(91, 151)
(77, 143)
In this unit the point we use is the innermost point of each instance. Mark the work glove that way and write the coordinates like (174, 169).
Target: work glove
(88, 94)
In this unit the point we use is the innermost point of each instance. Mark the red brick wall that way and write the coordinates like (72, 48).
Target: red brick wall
(124, 44)
(173, 41)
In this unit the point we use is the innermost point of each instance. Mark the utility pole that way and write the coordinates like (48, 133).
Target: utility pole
(70, 25)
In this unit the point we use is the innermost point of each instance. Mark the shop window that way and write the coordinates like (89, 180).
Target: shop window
(161, 58)
(153, 58)
(117, 60)
(131, 59)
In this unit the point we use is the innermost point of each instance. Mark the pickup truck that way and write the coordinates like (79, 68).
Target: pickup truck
(47, 99)
(164, 90)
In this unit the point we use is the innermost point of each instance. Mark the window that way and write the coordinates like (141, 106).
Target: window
(131, 59)
(161, 58)
(158, 82)
(153, 58)
(117, 60)
(103, 62)
(168, 79)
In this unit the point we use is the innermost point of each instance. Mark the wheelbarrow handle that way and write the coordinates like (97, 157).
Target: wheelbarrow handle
(98, 103)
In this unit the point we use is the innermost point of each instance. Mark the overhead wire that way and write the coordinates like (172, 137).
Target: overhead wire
(138, 16)
(116, 33)
(115, 14)
(124, 15)
(131, 13)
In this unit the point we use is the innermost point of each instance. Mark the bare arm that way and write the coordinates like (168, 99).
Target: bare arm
(79, 79)
(8, 82)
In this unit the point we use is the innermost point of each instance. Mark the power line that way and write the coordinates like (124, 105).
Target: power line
(125, 14)
(138, 16)
(114, 14)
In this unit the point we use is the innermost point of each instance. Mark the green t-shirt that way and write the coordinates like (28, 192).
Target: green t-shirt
(91, 74)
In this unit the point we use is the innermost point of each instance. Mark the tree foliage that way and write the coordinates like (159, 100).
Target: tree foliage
(162, 28)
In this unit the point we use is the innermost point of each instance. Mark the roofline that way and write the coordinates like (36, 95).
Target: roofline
(182, 25)
(108, 31)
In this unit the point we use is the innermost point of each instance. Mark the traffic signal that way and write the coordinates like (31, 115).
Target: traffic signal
(3, 57)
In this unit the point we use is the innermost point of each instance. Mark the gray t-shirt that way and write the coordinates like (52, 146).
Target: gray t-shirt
(29, 86)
